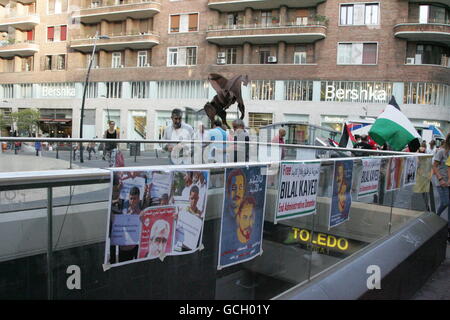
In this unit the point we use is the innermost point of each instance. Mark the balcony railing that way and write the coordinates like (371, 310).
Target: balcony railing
(90, 36)
(265, 26)
(111, 3)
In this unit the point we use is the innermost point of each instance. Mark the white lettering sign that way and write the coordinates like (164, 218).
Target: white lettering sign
(58, 92)
(355, 94)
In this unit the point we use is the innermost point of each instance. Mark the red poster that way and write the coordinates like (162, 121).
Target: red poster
(157, 231)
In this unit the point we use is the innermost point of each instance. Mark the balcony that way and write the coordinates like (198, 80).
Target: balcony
(445, 2)
(263, 34)
(240, 5)
(108, 10)
(5, 2)
(414, 31)
(25, 48)
(135, 41)
(25, 22)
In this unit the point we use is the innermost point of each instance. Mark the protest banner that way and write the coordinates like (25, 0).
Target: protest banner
(370, 175)
(394, 173)
(341, 198)
(297, 190)
(410, 173)
(243, 215)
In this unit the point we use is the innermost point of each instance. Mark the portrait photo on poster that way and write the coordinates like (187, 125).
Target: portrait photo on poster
(394, 172)
(341, 198)
(153, 214)
(410, 171)
(242, 215)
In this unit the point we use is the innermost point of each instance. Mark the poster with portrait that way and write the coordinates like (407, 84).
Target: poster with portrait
(242, 221)
(190, 196)
(341, 198)
(157, 231)
(410, 171)
(369, 179)
(168, 204)
(394, 172)
(297, 192)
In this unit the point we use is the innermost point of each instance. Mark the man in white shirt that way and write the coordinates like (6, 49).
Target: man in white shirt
(179, 130)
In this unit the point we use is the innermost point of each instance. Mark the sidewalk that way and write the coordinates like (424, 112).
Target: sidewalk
(438, 286)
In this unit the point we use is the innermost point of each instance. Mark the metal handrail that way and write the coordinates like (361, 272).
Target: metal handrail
(58, 178)
(77, 140)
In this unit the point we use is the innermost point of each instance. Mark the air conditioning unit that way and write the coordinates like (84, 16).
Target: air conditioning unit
(221, 55)
(221, 61)
(272, 59)
(121, 66)
(409, 60)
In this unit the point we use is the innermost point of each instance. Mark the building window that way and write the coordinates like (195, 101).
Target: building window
(92, 90)
(433, 14)
(94, 61)
(142, 59)
(359, 14)
(262, 89)
(266, 18)
(114, 90)
(116, 60)
(184, 22)
(140, 90)
(57, 33)
(57, 6)
(298, 90)
(27, 64)
(256, 120)
(428, 54)
(182, 56)
(183, 89)
(426, 93)
(191, 58)
(357, 53)
(264, 55)
(232, 20)
(48, 63)
(300, 55)
(61, 62)
(8, 91)
(230, 55)
(26, 90)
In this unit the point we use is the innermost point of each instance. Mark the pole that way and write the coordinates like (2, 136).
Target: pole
(84, 96)
(49, 243)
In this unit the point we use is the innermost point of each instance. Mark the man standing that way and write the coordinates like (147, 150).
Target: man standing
(217, 150)
(179, 130)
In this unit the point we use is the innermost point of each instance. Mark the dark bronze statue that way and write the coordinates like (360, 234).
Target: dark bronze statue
(228, 92)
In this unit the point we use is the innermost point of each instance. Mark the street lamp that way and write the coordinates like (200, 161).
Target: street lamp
(97, 36)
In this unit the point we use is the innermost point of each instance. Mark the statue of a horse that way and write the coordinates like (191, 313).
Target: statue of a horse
(228, 92)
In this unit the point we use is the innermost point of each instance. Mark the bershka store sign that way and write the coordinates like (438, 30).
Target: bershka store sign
(58, 91)
(355, 94)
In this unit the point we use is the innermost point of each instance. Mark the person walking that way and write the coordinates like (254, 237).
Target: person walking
(440, 171)
(38, 148)
(111, 147)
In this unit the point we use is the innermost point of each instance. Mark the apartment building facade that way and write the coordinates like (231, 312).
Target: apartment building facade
(316, 61)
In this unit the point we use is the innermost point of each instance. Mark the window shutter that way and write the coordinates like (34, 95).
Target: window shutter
(174, 23)
(370, 53)
(51, 6)
(302, 13)
(50, 33)
(63, 35)
(30, 35)
(193, 22)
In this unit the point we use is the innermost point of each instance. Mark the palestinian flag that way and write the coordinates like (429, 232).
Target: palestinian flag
(333, 143)
(348, 139)
(394, 128)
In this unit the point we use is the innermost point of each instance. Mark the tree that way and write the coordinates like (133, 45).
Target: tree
(3, 123)
(27, 120)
